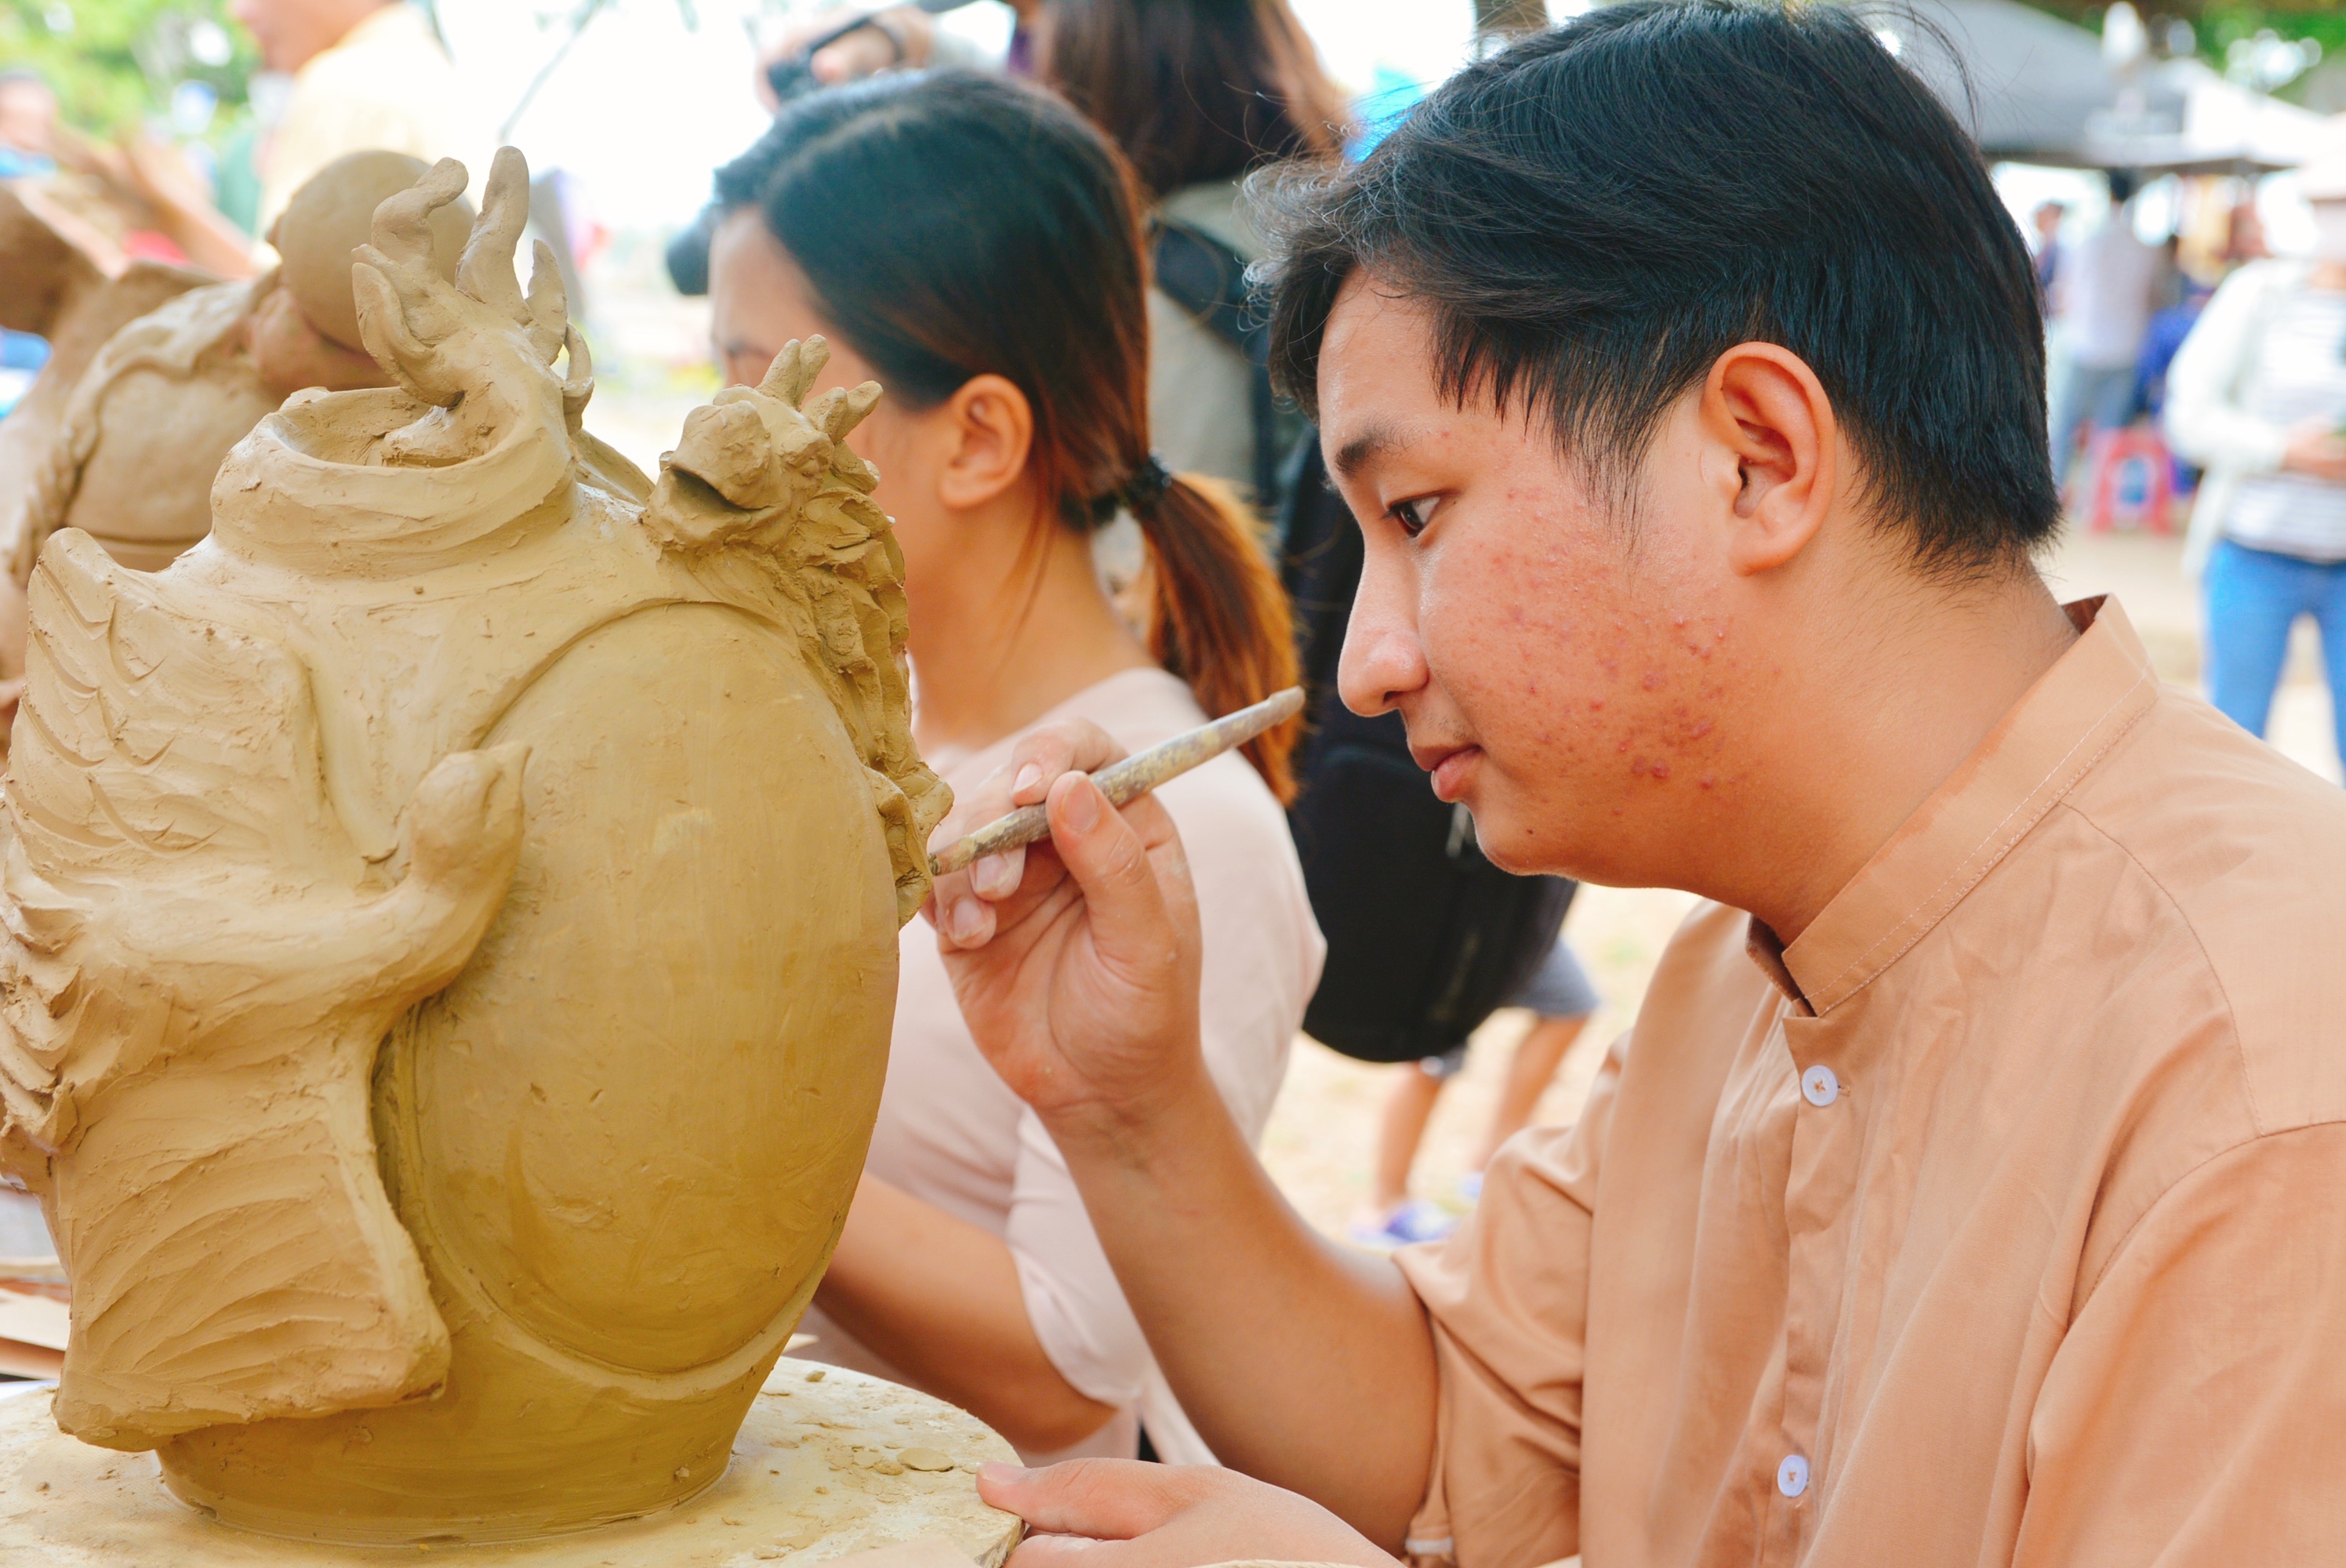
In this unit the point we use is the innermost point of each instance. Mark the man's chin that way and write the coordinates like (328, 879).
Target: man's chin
(1509, 845)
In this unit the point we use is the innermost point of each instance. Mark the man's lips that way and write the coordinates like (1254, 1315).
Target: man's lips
(1453, 766)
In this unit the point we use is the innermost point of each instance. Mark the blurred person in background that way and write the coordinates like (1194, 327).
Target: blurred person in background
(2047, 246)
(138, 200)
(28, 122)
(974, 245)
(2104, 294)
(893, 37)
(2258, 396)
(2244, 235)
(1198, 93)
(367, 74)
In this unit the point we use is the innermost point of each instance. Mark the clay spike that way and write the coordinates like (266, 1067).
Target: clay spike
(486, 272)
(1129, 779)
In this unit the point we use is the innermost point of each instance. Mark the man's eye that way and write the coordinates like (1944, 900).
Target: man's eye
(1411, 516)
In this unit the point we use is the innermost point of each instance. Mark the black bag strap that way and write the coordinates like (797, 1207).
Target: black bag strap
(1209, 280)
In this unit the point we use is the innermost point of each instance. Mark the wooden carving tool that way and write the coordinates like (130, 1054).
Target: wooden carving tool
(1128, 779)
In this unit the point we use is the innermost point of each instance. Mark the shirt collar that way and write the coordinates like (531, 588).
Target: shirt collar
(2052, 738)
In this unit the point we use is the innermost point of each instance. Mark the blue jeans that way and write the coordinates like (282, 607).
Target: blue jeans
(2254, 597)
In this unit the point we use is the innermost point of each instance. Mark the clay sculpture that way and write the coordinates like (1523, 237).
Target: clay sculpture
(139, 438)
(451, 925)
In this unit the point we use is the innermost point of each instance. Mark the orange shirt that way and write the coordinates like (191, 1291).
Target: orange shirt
(1999, 1219)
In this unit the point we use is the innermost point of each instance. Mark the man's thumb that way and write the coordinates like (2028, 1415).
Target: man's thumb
(1104, 1499)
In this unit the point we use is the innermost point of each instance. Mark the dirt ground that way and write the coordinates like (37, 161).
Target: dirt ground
(651, 353)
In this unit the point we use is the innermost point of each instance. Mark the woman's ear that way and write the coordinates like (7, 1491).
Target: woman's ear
(1773, 425)
(990, 433)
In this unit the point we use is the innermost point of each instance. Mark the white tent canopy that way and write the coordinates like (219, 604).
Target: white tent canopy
(2036, 89)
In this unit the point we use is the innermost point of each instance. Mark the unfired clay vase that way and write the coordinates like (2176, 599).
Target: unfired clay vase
(451, 926)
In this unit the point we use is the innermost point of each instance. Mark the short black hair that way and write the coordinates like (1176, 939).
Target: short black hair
(1598, 213)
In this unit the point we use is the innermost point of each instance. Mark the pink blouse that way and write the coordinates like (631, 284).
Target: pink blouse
(951, 1134)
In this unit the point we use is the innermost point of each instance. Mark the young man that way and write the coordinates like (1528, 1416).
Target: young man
(1975, 1191)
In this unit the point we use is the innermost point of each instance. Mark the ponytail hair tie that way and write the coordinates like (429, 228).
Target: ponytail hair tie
(1146, 488)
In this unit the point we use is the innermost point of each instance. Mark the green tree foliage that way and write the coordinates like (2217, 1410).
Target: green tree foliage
(2218, 25)
(115, 63)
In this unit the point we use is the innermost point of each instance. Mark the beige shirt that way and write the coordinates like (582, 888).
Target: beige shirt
(387, 86)
(951, 1134)
(2000, 1219)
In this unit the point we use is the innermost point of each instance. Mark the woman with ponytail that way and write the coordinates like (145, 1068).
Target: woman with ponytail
(975, 247)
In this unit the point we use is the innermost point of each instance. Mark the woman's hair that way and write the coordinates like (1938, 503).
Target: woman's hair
(957, 225)
(1195, 90)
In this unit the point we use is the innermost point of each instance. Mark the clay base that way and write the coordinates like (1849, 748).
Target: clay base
(811, 1480)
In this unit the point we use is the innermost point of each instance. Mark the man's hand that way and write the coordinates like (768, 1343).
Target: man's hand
(1075, 962)
(1118, 1513)
(2316, 451)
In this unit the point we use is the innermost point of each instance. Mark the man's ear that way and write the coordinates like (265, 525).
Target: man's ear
(1765, 409)
(993, 434)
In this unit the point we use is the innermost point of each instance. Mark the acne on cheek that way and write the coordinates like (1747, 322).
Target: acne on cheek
(1677, 735)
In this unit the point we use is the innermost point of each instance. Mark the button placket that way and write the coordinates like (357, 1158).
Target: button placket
(1828, 1139)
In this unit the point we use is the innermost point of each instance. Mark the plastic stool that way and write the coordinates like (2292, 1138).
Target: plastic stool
(2146, 501)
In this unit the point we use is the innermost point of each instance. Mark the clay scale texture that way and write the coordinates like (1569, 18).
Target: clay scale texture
(816, 1474)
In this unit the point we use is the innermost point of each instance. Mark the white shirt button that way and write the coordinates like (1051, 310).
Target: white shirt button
(1793, 1475)
(1820, 1088)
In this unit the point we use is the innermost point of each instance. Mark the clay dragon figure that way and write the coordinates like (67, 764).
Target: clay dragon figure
(449, 924)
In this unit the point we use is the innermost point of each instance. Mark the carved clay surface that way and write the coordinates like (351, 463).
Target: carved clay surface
(142, 434)
(63, 1505)
(449, 926)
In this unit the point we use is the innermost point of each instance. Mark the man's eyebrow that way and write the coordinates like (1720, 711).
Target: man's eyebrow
(1364, 448)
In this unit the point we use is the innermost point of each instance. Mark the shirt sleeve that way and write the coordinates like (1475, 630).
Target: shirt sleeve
(2192, 1412)
(1507, 1296)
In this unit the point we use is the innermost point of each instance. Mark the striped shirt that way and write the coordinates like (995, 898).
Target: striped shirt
(2300, 375)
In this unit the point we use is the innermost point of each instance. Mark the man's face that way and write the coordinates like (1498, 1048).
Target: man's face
(1574, 677)
(28, 113)
(292, 32)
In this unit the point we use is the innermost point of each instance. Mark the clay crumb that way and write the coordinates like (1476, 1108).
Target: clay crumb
(887, 1467)
(729, 1519)
(817, 1375)
(925, 1459)
(822, 1491)
(682, 1471)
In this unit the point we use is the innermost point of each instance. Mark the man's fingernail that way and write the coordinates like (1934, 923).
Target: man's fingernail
(1028, 777)
(995, 1470)
(966, 920)
(1084, 807)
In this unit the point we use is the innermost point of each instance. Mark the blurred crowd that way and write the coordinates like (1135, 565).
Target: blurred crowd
(2193, 369)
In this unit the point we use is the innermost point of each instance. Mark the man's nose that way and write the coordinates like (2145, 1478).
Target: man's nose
(1383, 660)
